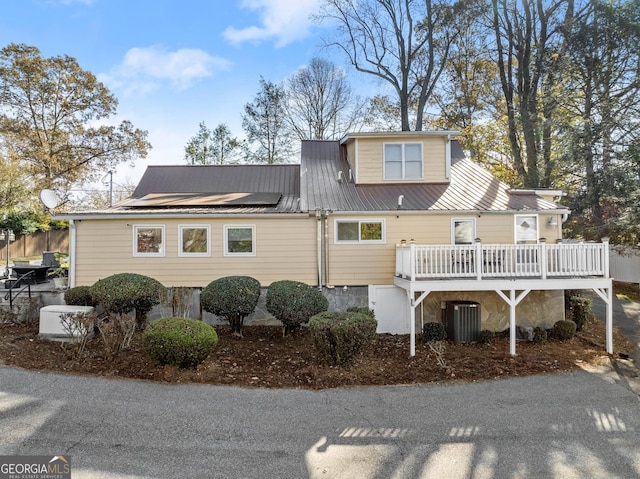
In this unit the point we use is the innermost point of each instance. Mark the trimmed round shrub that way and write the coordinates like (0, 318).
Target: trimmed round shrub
(339, 337)
(432, 332)
(540, 335)
(486, 336)
(181, 342)
(122, 292)
(79, 296)
(564, 330)
(232, 298)
(293, 303)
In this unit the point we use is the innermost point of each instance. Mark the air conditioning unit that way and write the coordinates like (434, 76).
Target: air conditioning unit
(463, 321)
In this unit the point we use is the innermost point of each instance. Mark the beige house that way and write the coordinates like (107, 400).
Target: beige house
(402, 217)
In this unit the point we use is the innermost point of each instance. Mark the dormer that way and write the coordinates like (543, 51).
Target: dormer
(399, 157)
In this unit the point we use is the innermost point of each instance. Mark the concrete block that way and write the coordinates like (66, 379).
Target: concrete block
(50, 325)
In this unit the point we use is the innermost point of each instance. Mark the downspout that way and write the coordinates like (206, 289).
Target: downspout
(72, 253)
(326, 249)
(319, 246)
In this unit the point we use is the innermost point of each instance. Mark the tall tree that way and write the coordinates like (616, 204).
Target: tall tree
(405, 43)
(215, 146)
(265, 124)
(50, 115)
(604, 71)
(320, 102)
(529, 44)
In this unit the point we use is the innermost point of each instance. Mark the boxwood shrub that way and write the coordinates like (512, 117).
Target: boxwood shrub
(122, 292)
(232, 298)
(564, 330)
(293, 303)
(339, 337)
(79, 296)
(432, 332)
(180, 342)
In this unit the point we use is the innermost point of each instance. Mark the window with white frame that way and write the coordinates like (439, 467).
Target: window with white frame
(463, 230)
(239, 240)
(359, 231)
(403, 161)
(526, 229)
(148, 240)
(194, 240)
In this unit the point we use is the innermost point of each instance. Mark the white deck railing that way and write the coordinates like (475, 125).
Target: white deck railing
(485, 261)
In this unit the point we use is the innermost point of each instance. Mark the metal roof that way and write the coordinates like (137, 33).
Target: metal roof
(282, 179)
(471, 187)
(320, 182)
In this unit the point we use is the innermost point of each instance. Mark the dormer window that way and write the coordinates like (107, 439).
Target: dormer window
(403, 161)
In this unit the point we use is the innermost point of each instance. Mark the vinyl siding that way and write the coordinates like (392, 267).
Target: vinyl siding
(364, 264)
(285, 249)
(371, 159)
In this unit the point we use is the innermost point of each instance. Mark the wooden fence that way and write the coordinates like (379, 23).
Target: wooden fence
(35, 244)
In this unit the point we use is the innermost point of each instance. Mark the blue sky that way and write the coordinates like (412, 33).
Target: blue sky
(174, 63)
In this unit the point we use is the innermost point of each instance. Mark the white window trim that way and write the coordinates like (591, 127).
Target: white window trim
(453, 229)
(359, 221)
(159, 254)
(515, 226)
(226, 236)
(183, 253)
(403, 143)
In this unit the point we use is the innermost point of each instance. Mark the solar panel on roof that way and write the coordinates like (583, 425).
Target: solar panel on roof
(206, 199)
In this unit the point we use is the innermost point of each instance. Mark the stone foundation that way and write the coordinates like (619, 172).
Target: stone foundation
(538, 308)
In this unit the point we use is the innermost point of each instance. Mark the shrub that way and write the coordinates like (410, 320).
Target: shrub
(580, 310)
(117, 332)
(486, 336)
(180, 342)
(79, 296)
(79, 328)
(293, 303)
(539, 335)
(564, 330)
(339, 337)
(357, 309)
(433, 332)
(122, 292)
(231, 298)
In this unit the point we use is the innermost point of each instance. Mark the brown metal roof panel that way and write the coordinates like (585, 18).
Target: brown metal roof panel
(219, 179)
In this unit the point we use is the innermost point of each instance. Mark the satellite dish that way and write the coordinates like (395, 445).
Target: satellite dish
(49, 198)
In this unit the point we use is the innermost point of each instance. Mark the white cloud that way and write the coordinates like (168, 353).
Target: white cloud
(284, 21)
(145, 69)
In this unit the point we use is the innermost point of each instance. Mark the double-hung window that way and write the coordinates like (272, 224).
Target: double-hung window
(148, 240)
(359, 231)
(403, 161)
(194, 240)
(239, 240)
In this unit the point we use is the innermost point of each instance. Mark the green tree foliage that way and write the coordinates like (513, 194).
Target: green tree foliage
(604, 63)
(265, 124)
(51, 113)
(212, 147)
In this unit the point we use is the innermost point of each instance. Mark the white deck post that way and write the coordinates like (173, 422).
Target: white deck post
(412, 329)
(512, 322)
(609, 320)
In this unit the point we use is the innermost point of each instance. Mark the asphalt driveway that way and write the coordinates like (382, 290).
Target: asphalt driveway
(577, 425)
